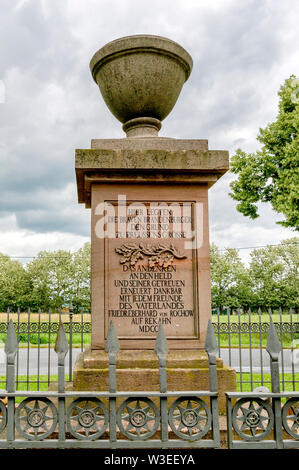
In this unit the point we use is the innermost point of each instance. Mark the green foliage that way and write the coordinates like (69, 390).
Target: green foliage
(271, 280)
(51, 276)
(81, 278)
(274, 273)
(230, 283)
(272, 173)
(53, 279)
(15, 284)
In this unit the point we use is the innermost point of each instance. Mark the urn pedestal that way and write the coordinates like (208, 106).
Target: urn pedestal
(148, 196)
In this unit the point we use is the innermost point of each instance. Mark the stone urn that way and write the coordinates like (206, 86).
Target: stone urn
(140, 78)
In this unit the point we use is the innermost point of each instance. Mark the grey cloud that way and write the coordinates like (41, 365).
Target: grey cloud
(53, 106)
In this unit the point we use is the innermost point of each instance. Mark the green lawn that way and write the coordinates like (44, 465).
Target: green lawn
(244, 387)
(257, 382)
(236, 340)
(244, 341)
(264, 318)
(32, 385)
(43, 339)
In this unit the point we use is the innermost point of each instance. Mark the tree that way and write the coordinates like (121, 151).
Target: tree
(274, 273)
(81, 278)
(272, 173)
(230, 283)
(15, 285)
(51, 275)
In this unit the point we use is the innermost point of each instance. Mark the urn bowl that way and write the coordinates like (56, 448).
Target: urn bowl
(140, 78)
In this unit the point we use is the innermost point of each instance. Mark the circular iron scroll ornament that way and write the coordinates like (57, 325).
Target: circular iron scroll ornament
(3, 416)
(138, 419)
(290, 417)
(189, 418)
(36, 419)
(252, 419)
(87, 418)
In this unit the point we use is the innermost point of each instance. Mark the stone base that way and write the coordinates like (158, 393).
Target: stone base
(137, 370)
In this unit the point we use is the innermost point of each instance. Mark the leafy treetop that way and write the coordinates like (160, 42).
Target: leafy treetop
(272, 173)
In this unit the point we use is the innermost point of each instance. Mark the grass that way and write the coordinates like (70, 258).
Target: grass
(43, 340)
(32, 383)
(257, 382)
(255, 318)
(246, 382)
(86, 317)
(256, 340)
(44, 317)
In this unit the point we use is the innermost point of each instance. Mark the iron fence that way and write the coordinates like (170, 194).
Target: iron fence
(36, 333)
(87, 422)
(242, 336)
(241, 341)
(259, 419)
(263, 419)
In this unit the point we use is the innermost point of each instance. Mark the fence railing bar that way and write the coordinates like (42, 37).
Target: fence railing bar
(28, 343)
(261, 344)
(250, 349)
(292, 348)
(49, 345)
(282, 352)
(11, 349)
(112, 348)
(82, 330)
(61, 349)
(240, 349)
(274, 349)
(218, 332)
(161, 350)
(229, 339)
(71, 311)
(38, 349)
(18, 338)
(211, 349)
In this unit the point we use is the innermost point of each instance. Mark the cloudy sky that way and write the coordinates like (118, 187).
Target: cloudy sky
(242, 52)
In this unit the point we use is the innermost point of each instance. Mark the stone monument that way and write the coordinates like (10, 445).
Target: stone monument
(149, 224)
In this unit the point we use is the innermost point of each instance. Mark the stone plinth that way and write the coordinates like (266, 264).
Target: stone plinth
(150, 252)
(138, 371)
(149, 172)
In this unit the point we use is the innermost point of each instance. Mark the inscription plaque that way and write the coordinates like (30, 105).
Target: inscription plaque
(151, 278)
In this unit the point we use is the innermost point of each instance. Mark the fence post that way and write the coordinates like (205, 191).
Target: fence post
(161, 349)
(112, 348)
(274, 348)
(71, 311)
(61, 349)
(11, 348)
(211, 349)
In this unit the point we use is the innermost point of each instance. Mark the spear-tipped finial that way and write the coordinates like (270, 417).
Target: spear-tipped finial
(161, 346)
(211, 347)
(273, 343)
(11, 344)
(112, 344)
(61, 346)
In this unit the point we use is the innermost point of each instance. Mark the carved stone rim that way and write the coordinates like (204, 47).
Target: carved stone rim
(141, 43)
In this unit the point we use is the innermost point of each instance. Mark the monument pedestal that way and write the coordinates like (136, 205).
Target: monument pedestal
(150, 252)
(138, 370)
(138, 296)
